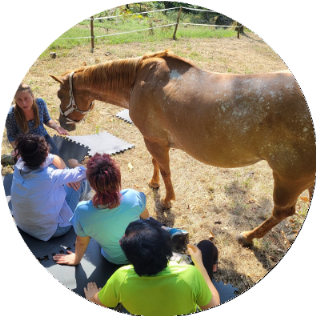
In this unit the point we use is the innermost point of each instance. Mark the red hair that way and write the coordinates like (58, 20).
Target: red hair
(104, 176)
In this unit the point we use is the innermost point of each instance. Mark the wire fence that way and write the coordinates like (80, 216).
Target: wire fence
(238, 26)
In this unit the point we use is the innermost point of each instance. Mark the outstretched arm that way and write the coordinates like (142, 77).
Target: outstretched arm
(60, 130)
(59, 163)
(71, 258)
(91, 292)
(196, 256)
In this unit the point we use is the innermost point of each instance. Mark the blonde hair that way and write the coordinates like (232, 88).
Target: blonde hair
(18, 112)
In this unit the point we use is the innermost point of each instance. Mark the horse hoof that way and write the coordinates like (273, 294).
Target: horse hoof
(243, 241)
(165, 205)
(154, 185)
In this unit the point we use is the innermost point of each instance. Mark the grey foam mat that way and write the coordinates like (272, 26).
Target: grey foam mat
(102, 143)
(124, 115)
(93, 267)
(7, 182)
(226, 291)
(70, 149)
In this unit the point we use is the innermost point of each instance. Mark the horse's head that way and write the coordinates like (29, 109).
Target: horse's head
(75, 103)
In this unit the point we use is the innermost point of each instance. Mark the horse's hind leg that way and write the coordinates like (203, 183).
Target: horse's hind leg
(285, 196)
(160, 154)
(311, 191)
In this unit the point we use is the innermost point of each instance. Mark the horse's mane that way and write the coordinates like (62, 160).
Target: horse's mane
(113, 73)
(117, 73)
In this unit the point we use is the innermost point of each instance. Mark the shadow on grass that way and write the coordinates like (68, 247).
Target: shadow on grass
(238, 280)
(163, 215)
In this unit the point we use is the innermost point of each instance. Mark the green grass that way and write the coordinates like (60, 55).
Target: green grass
(133, 23)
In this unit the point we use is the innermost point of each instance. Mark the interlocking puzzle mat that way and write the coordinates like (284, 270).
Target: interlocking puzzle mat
(102, 143)
(226, 291)
(70, 149)
(93, 267)
(124, 115)
(7, 182)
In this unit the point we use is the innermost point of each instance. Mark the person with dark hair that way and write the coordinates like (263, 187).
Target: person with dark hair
(152, 285)
(106, 216)
(28, 115)
(41, 204)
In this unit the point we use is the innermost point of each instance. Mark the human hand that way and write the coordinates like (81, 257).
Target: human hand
(74, 185)
(91, 290)
(68, 259)
(62, 131)
(73, 163)
(15, 155)
(196, 255)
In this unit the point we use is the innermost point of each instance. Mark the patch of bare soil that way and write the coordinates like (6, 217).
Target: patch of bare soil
(208, 199)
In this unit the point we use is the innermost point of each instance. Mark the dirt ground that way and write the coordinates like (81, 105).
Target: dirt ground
(223, 202)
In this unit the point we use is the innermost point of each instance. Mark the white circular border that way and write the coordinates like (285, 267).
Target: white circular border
(28, 27)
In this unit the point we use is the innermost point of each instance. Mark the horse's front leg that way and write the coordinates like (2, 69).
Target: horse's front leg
(154, 182)
(160, 154)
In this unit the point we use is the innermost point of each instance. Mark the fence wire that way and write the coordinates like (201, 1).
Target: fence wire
(146, 29)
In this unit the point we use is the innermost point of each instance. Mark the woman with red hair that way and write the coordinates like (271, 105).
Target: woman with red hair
(106, 216)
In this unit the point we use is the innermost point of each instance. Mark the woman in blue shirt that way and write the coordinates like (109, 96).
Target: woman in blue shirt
(41, 202)
(28, 115)
(106, 216)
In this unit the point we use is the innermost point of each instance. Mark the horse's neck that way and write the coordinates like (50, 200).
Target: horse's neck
(111, 82)
(119, 97)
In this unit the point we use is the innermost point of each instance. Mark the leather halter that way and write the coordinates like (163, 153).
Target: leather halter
(72, 105)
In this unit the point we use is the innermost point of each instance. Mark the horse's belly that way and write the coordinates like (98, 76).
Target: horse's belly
(219, 155)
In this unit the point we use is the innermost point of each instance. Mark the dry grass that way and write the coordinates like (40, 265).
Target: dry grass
(224, 201)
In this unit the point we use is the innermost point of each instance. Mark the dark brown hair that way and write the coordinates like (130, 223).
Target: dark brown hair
(33, 149)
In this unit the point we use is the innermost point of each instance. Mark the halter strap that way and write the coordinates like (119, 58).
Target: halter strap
(72, 104)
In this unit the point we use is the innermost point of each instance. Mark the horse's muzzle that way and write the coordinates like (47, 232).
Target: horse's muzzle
(67, 127)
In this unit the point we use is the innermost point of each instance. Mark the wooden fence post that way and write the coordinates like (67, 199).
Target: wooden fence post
(175, 30)
(239, 26)
(92, 34)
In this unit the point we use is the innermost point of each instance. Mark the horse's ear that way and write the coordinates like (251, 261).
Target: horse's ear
(58, 79)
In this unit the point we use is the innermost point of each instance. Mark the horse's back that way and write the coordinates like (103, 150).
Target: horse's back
(225, 120)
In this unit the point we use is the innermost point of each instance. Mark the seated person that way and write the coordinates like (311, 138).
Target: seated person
(106, 216)
(41, 204)
(153, 285)
(28, 116)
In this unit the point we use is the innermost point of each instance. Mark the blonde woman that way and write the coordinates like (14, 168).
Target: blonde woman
(28, 116)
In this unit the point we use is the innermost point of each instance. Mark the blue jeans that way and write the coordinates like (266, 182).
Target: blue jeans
(73, 197)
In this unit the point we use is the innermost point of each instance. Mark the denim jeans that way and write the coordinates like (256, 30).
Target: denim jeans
(73, 197)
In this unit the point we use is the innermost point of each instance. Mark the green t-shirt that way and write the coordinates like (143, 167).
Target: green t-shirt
(176, 290)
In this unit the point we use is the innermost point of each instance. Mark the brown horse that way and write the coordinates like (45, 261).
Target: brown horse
(225, 120)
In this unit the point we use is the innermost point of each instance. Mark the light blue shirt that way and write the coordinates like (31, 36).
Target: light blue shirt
(38, 197)
(107, 226)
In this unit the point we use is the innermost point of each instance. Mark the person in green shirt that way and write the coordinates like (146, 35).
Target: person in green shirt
(152, 285)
